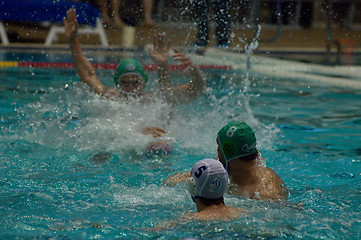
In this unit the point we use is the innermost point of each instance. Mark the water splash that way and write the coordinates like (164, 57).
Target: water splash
(78, 118)
(266, 133)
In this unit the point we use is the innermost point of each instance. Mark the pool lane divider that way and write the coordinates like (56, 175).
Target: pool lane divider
(147, 67)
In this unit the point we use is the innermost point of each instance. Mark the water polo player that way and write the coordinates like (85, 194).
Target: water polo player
(250, 177)
(130, 77)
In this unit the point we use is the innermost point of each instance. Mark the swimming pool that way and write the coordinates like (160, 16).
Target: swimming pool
(73, 167)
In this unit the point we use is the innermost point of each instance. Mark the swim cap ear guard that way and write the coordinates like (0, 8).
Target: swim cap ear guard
(192, 187)
(236, 139)
(129, 65)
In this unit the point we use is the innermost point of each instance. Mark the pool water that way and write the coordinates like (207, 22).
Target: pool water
(73, 164)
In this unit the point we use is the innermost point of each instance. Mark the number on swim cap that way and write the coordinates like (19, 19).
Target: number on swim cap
(231, 131)
(200, 171)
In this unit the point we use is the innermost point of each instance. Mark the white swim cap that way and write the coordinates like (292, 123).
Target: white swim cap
(209, 179)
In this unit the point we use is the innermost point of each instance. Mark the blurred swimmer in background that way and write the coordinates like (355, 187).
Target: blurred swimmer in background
(130, 77)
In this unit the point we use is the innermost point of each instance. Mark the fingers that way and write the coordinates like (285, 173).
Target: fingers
(155, 131)
(180, 57)
(68, 14)
(187, 68)
(171, 180)
(185, 62)
(160, 130)
(71, 15)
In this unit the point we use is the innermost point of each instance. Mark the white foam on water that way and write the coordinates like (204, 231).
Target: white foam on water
(81, 119)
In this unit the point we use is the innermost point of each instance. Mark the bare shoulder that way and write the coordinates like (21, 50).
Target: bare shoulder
(216, 213)
(271, 174)
(234, 212)
(193, 216)
(274, 183)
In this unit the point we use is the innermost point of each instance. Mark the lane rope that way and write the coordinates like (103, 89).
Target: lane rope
(147, 67)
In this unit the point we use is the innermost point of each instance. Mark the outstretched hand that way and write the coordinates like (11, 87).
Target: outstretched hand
(160, 51)
(70, 24)
(154, 131)
(176, 178)
(185, 62)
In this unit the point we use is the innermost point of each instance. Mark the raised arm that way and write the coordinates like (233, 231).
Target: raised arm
(196, 86)
(82, 65)
(177, 178)
(159, 55)
(183, 93)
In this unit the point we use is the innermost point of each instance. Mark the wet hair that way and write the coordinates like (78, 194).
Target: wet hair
(247, 158)
(209, 202)
(250, 157)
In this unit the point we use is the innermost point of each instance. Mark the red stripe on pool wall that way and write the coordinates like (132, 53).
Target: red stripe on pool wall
(45, 65)
(147, 67)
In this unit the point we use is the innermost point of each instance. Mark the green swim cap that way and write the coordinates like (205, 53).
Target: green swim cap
(129, 65)
(237, 139)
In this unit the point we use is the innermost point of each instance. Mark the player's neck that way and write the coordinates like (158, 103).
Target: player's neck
(202, 207)
(242, 172)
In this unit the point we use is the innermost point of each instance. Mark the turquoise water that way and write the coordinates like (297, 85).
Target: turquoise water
(73, 167)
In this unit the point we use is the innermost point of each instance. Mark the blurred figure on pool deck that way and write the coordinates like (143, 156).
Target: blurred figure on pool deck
(207, 185)
(102, 5)
(130, 76)
(131, 12)
(221, 17)
(148, 9)
(247, 169)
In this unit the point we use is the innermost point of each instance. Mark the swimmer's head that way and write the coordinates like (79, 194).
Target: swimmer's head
(235, 140)
(130, 75)
(209, 179)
